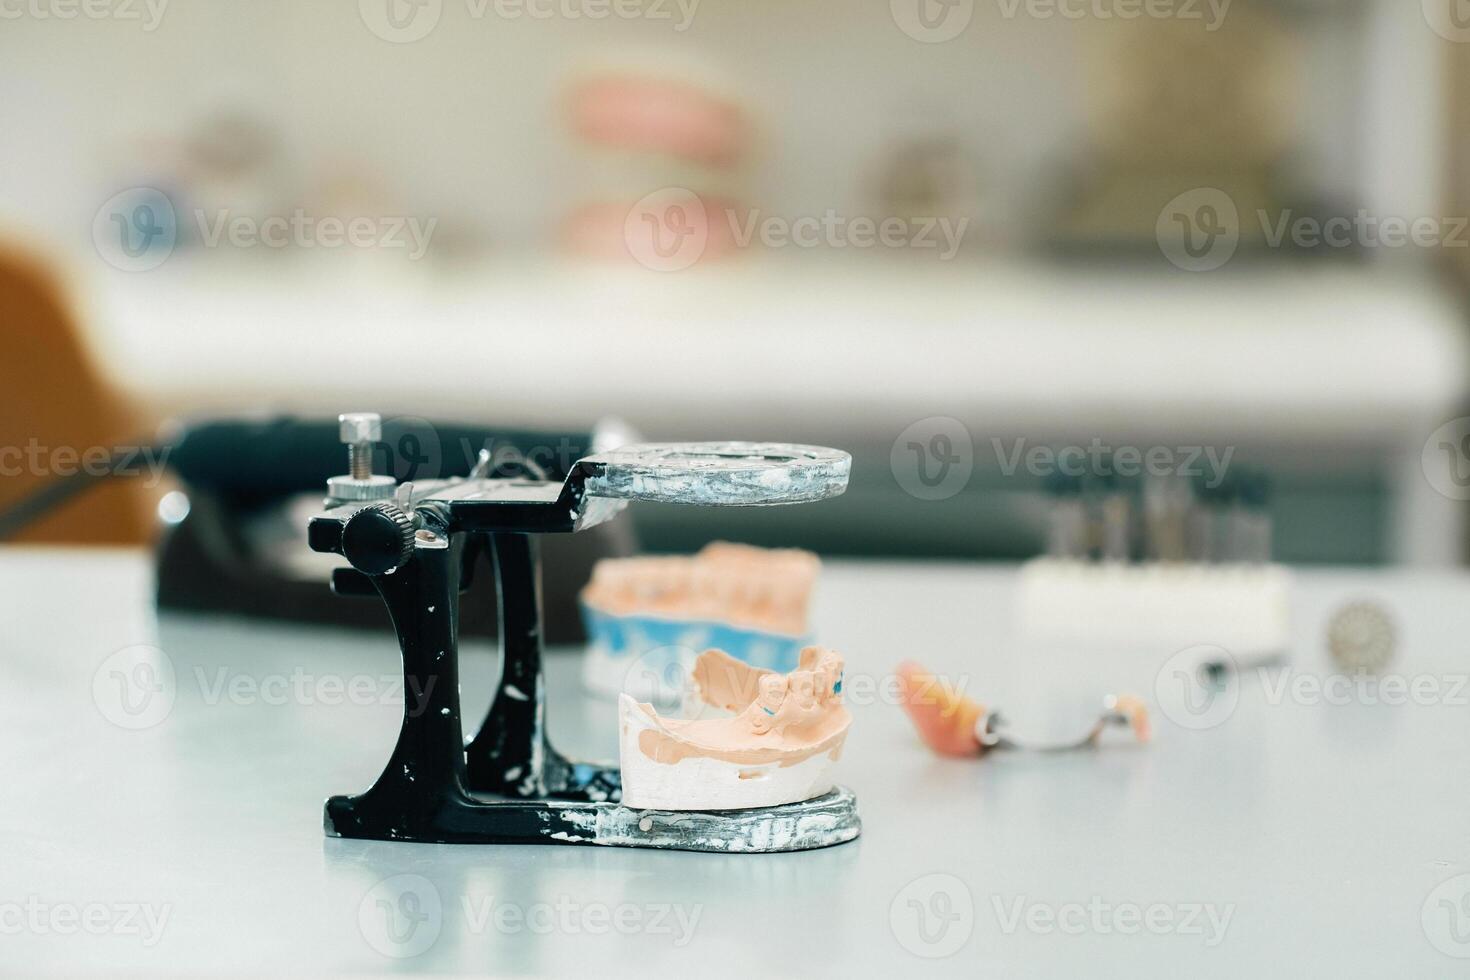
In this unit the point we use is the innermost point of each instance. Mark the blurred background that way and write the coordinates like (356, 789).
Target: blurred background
(958, 238)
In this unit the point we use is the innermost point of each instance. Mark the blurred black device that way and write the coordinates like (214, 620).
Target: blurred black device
(236, 541)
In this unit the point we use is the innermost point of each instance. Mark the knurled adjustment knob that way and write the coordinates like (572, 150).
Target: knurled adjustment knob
(378, 539)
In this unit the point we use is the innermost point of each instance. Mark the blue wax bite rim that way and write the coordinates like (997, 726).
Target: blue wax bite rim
(635, 635)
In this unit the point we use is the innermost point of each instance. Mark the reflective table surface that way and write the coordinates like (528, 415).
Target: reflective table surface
(161, 811)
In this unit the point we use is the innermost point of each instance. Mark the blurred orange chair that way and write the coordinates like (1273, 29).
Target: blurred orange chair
(56, 398)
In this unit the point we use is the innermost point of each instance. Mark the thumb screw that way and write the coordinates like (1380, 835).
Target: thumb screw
(360, 430)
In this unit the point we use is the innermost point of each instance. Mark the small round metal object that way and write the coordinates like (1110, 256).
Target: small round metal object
(1360, 637)
(378, 539)
(346, 489)
(730, 474)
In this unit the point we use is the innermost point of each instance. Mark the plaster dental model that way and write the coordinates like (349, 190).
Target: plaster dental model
(779, 744)
(649, 616)
(955, 726)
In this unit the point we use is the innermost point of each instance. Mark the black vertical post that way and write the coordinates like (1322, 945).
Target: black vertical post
(509, 755)
(426, 771)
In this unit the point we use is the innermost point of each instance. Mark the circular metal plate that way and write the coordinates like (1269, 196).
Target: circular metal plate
(730, 474)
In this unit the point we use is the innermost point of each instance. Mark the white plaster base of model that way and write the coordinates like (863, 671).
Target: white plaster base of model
(705, 783)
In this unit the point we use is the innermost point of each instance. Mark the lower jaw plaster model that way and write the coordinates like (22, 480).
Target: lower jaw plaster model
(779, 746)
(953, 725)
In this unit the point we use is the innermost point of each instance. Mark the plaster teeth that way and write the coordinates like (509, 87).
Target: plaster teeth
(779, 745)
(739, 584)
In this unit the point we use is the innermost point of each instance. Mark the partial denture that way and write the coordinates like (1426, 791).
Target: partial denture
(954, 725)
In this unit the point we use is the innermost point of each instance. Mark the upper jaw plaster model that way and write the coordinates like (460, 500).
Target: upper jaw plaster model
(759, 588)
(779, 746)
(647, 616)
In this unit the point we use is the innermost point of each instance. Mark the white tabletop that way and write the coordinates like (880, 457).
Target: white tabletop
(1296, 837)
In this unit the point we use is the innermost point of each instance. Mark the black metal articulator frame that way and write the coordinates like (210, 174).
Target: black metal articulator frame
(507, 784)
